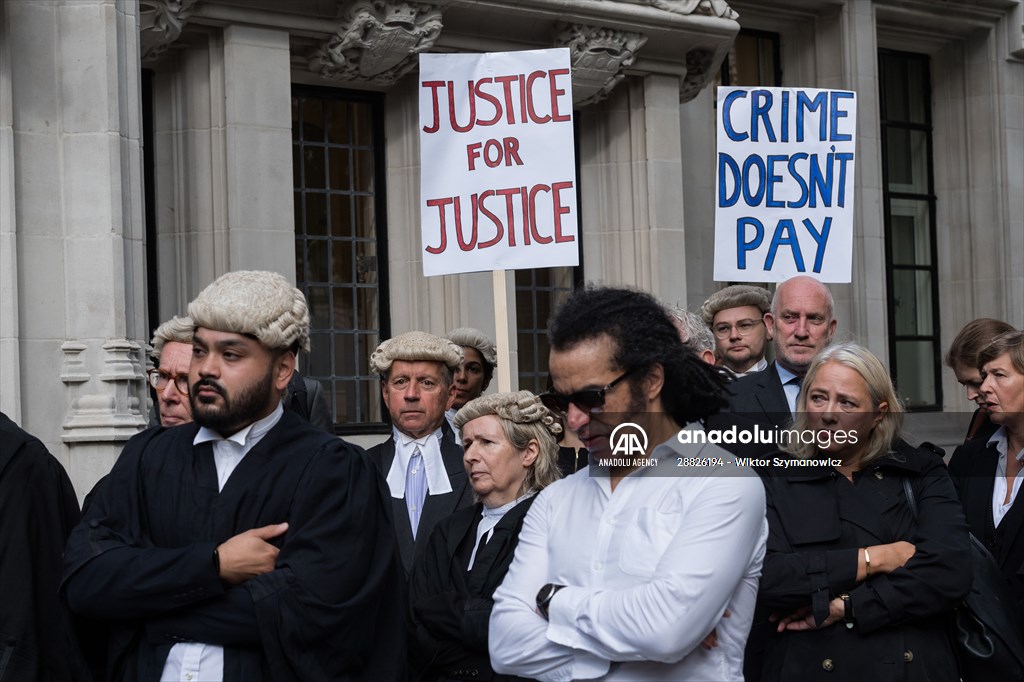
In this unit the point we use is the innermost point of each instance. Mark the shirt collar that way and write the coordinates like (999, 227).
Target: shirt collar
(785, 375)
(252, 432)
(430, 449)
(999, 440)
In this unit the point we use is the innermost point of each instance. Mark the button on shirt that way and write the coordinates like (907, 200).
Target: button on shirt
(195, 661)
(999, 509)
(649, 570)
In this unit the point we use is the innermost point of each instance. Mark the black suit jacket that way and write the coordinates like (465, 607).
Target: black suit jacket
(436, 507)
(973, 469)
(759, 397)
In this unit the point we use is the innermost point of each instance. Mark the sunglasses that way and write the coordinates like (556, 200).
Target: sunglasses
(588, 399)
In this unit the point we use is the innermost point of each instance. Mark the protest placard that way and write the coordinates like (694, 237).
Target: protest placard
(784, 184)
(498, 170)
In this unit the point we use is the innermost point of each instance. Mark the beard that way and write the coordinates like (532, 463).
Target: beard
(237, 411)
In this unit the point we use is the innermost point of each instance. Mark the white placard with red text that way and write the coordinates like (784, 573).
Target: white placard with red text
(498, 171)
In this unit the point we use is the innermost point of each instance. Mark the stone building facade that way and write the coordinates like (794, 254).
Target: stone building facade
(147, 147)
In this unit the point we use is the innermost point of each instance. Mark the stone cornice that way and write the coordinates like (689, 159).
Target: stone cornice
(683, 38)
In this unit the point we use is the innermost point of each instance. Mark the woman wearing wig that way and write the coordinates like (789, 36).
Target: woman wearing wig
(988, 470)
(511, 453)
(860, 588)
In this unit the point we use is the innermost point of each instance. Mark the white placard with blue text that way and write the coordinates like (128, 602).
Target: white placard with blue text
(497, 162)
(784, 184)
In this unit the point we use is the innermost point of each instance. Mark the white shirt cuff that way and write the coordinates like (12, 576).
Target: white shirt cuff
(562, 630)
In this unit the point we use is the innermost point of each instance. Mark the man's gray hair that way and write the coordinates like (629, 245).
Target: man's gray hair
(698, 334)
(175, 330)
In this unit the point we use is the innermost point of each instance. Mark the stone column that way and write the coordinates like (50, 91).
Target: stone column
(79, 225)
(258, 158)
(846, 57)
(631, 174)
(10, 363)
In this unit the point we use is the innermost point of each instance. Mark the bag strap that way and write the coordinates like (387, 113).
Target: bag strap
(908, 490)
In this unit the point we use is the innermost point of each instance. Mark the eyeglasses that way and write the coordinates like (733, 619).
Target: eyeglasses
(743, 328)
(158, 379)
(587, 399)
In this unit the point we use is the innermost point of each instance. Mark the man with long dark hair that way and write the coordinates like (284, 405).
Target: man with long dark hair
(622, 572)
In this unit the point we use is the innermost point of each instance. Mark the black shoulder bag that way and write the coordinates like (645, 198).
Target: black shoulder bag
(985, 636)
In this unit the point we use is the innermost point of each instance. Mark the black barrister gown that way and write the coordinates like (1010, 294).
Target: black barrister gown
(817, 522)
(38, 509)
(451, 606)
(143, 558)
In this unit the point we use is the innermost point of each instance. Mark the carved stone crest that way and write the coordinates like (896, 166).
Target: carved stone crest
(698, 73)
(598, 56)
(377, 40)
(161, 23)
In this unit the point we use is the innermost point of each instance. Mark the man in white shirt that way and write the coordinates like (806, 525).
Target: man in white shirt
(421, 462)
(622, 571)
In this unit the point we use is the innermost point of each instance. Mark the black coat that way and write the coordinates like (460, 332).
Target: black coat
(817, 522)
(38, 509)
(760, 398)
(973, 468)
(450, 607)
(142, 559)
(436, 507)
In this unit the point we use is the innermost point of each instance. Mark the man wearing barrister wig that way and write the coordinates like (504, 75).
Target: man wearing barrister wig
(421, 462)
(247, 545)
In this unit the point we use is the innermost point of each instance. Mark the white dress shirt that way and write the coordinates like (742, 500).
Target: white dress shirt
(999, 509)
(195, 661)
(430, 450)
(649, 570)
(758, 366)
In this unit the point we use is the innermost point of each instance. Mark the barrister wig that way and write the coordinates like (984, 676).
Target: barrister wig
(736, 296)
(175, 330)
(257, 303)
(524, 418)
(467, 337)
(416, 347)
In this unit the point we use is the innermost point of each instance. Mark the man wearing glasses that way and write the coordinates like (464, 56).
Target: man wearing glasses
(625, 575)
(172, 351)
(735, 315)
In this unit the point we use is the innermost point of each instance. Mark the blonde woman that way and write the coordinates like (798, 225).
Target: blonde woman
(860, 587)
(511, 453)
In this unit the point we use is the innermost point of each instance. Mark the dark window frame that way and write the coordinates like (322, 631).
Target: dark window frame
(929, 197)
(776, 42)
(376, 102)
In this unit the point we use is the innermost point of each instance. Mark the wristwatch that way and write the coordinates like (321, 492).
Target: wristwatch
(544, 598)
(847, 610)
